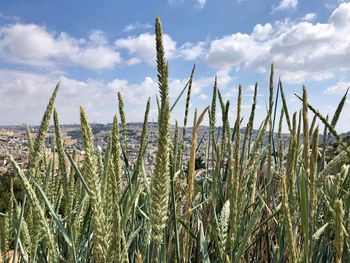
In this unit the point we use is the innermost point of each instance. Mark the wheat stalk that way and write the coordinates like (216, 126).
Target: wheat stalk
(99, 237)
(160, 179)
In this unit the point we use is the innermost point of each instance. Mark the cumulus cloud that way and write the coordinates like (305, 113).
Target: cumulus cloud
(233, 50)
(27, 94)
(137, 26)
(341, 16)
(142, 47)
(339, 88)
(262, 32)
(135, 93)
(286, 4)
(299, 49)
(34, 45)
(309, 17)
(133, 61)
(191, 51)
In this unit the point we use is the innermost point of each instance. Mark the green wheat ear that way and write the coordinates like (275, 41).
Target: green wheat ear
(123, 121)
(223, 227)
(116, 155)
(42, 221)
(235, 174)
(38, 146)
(339, 232)
(160, 179)
(99, 237)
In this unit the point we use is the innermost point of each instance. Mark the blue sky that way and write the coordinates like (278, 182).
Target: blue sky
(96, 48)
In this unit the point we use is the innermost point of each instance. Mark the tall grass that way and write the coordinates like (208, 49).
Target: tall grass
(279, 201)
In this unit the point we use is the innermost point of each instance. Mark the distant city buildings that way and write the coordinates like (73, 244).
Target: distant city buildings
(13, 140)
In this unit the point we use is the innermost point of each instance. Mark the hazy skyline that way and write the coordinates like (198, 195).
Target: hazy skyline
(98, 48)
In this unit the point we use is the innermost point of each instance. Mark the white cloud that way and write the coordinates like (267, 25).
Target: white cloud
(191, 51)
(137, 26)
(27, 93)
(133, 61)
(31, 44)
(224, 77)
(341, 16)
(262, 32)
(300, 50)
(309, 17)
(199, 84)
(142, 47)
(232, 50)
(201, 3)
(286, 4)
(344, 118)
(339, 88)
(135, 93)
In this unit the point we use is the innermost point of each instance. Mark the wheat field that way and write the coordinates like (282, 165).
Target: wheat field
(256, 201)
